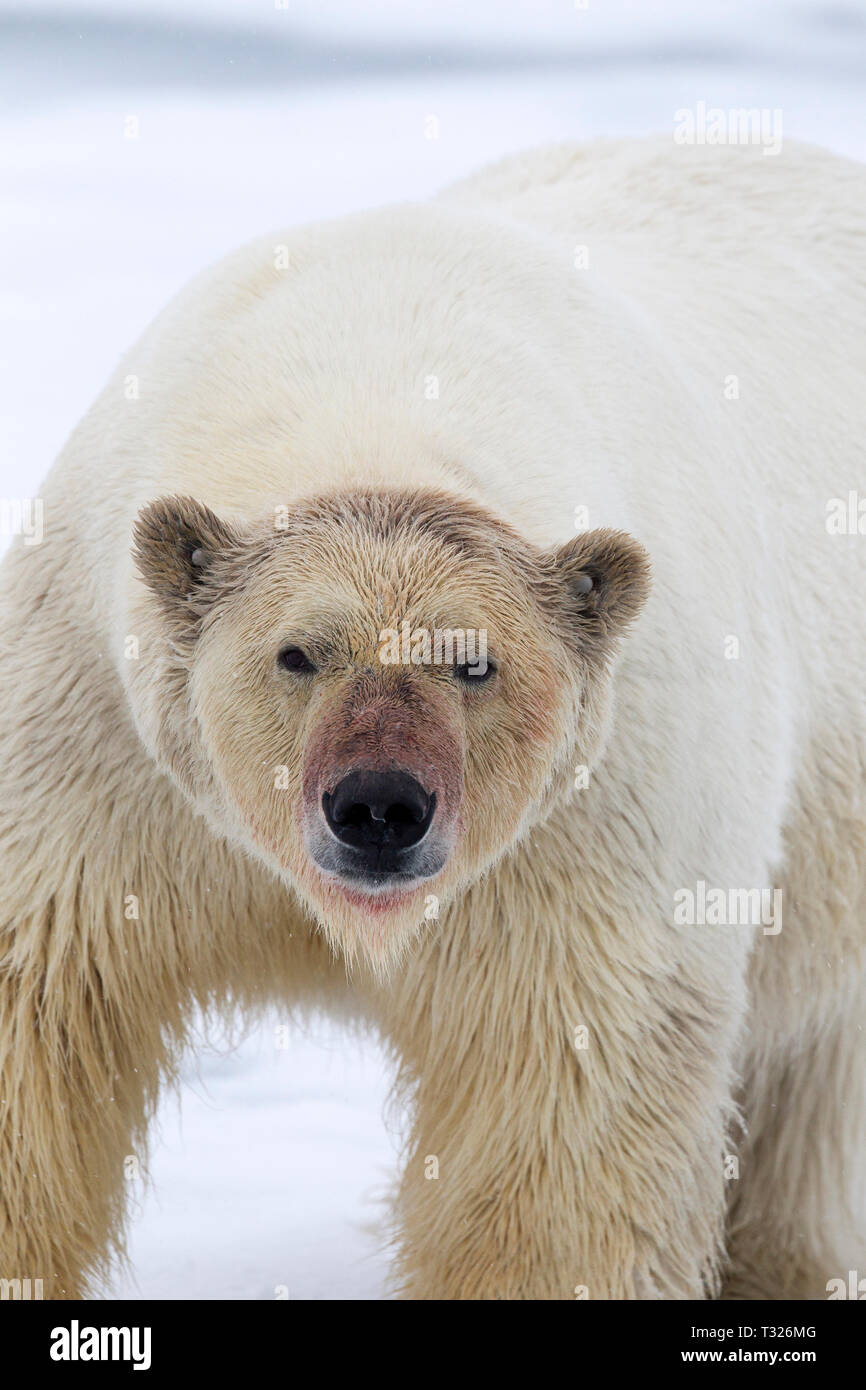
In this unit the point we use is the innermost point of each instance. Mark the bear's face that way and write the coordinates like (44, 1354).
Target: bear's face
(381, 692)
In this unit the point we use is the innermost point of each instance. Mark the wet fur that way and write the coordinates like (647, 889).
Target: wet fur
(560, 1168)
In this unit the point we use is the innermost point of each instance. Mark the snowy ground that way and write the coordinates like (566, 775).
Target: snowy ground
(140, 141)
(270, 1175)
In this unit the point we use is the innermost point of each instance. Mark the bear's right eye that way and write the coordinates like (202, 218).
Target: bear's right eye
(295, 660)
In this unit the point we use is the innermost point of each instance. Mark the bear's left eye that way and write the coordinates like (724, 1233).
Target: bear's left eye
(468, 673)
(295, 660)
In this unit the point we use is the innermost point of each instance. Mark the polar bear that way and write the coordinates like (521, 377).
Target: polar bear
(578, 443)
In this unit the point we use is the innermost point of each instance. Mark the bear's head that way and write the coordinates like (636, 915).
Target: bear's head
(378, 692)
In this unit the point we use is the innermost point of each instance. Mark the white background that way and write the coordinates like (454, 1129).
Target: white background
(270, 1168)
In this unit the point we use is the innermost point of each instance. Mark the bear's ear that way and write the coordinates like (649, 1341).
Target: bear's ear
(601, 582)
(178, 543)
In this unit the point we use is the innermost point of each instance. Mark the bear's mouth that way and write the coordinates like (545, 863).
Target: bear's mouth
(379, 881)
(387, 877)
(383, 896)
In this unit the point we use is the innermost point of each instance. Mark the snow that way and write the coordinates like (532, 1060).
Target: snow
(270, 1177)
(137, 143)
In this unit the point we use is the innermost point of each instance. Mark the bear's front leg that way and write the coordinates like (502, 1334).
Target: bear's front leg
(571, 1079)
(74, 1077)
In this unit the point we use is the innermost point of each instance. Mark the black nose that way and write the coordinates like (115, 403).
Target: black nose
(379, 813)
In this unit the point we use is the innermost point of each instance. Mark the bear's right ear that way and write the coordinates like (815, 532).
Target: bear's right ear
(602, 581)
(177, 544)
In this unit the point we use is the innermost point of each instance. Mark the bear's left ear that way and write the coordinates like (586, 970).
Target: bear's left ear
(179, 543)
(601, 581)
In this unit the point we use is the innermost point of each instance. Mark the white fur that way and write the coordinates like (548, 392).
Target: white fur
(556, 387)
